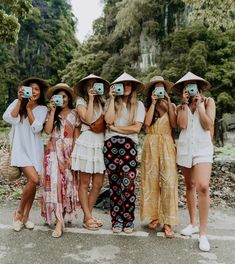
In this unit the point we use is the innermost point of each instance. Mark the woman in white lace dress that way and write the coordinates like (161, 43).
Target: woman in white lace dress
(87, 156)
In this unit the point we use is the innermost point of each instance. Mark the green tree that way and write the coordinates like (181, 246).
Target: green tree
(45, 46)
(215, 14)
(12, 12)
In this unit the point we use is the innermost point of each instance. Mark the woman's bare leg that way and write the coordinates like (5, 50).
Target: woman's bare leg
(28, 193)
(83, 194)
(97, 183)
(191, 195)
(202, 173)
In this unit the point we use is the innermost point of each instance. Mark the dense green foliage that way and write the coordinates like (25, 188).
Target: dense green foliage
(46, 44)
(215, 14)
(11, 11)
(129, 29)
(142, 37)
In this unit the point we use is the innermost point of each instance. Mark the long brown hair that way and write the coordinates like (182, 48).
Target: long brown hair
(82, 92)
(40, 101)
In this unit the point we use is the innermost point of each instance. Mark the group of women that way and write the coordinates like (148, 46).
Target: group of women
(71, 169)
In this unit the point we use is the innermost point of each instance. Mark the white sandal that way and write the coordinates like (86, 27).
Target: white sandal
(17, 224)
(29, 225)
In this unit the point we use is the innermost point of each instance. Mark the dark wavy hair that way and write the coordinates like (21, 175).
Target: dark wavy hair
(82, 91)
(148, 101)
(41, 101)
(57, 119)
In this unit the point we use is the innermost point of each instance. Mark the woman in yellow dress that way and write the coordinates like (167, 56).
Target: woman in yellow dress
(159, 180)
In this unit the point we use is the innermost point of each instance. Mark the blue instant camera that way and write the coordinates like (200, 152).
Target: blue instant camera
(27, 92)
(99, 88)
(119, 88)
(160, 92)
(192, 89)
(58, 99)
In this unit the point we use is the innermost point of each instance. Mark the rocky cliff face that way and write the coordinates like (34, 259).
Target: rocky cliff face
(150, 44)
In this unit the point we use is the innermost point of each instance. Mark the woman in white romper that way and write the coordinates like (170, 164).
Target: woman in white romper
(87, 156)
(27, 117)
(195, 116)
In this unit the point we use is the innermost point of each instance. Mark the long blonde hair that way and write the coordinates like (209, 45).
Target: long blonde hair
(132, 105)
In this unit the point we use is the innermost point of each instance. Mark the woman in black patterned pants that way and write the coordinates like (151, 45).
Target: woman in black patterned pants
(124, 116)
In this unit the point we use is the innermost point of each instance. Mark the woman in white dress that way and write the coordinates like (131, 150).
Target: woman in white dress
(27, 116)
(87, 156)
(195, 116)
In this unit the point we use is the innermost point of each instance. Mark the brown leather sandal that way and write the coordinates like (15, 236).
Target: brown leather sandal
(98, 221)
(169, 233)
(154, 224)
(90, 224)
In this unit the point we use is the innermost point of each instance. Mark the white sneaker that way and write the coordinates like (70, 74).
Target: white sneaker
(203, 243)
(29, 225)
(189, 230)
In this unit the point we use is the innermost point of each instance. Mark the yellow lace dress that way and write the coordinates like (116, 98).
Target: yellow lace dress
(159, 179)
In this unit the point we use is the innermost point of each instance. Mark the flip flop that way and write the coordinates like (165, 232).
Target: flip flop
(154, 224)
(117, 229)
(128, 230)
(57, 233)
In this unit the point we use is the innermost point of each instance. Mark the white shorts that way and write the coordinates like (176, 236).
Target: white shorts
(189, 162)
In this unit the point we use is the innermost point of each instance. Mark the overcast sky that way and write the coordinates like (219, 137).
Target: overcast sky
(86, 11)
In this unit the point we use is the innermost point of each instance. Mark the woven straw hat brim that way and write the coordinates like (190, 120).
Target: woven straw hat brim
(92, 76)
(61, 86)
(42, 83)
(179, 85)
(167, 84)
(125, 77)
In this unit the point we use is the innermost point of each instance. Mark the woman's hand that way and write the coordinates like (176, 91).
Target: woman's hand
(52, 106)
(112, 92)
(197, 99)
(30, 104)
(185, 98)
(20, 93)
(91, 94)
(154, 98)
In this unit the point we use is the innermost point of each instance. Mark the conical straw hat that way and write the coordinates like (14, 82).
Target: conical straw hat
(60, 86)
(159, 79)
(125, 77)
(179, 85)
(92, 76)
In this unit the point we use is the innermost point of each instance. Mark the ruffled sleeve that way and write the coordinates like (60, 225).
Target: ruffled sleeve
(40, 114)
(7, 114)
(77, 118)
(81, 101)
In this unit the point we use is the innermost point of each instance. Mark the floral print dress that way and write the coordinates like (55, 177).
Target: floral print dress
(59, 185)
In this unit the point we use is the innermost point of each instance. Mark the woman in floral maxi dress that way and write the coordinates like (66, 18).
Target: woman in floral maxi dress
(59, 184)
